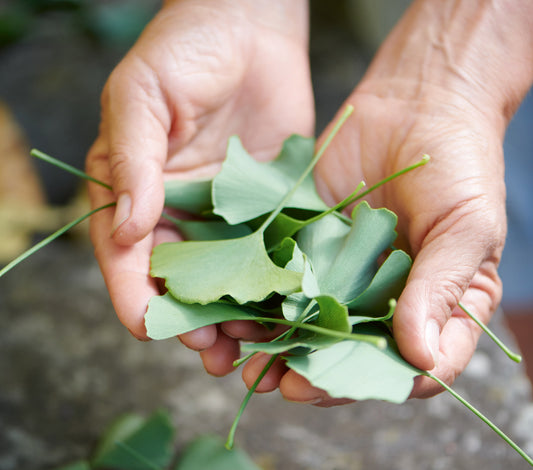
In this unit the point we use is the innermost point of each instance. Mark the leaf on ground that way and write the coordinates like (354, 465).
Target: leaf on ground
(80, 465)
(358, 370)
(132, 441)
(193, 196)
(245, 189)
(204, 271)
(167, 317)
(209, 453)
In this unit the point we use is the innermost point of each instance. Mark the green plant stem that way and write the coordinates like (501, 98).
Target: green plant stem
(377, 341)
(347, 112)
(231, 435)
(50, 239)
(515, 357)
(423, 161)
(285, 334)
(141, 458)
(65, 166)
(481, 416)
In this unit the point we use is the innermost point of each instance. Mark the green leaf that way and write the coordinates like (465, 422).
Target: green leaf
(167, 317)
(193, 196)
(345, 262)
(209, 229)
(135, 443)
(358, 370)
(332, 314)
(245, 189)
(209, 453)
(309, 342)
(204, 271)
(388, 283)
(80, 465)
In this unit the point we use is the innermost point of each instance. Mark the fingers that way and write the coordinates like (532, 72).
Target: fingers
(272, 378)
(455, 254)
(137, 123)
(218, 359)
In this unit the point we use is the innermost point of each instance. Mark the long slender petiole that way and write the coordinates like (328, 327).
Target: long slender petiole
(515, 357)
(50, 239)
(68, 168)
(483, 418)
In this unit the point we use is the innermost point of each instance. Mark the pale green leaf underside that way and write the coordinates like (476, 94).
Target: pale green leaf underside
(204, 271)
(357, 370)
(167, 317)
(245, 189)
(388, 283)
(192, 196)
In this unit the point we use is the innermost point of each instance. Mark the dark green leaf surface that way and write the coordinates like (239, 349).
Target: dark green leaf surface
(134, 443)
(192, 196)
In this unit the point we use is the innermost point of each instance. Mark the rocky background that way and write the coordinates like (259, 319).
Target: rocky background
(67, 366)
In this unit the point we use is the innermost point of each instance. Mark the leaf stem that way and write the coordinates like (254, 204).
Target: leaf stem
(423, 161)
(347, 112)
(377, 341)
(515, 357)
(486, 420)
(50, 239)
(231, 435)
(68, 168)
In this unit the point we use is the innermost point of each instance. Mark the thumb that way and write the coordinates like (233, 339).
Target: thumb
(442, 271)
(138, 124)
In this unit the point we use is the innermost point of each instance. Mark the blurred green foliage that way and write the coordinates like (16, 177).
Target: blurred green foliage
(116, 22)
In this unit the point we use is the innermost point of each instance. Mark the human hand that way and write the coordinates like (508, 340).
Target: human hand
(452, 211)
(201, 71)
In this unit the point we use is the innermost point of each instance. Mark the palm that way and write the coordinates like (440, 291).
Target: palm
(215, 86)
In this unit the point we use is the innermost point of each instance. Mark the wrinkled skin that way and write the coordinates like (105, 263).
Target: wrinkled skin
(189, 83)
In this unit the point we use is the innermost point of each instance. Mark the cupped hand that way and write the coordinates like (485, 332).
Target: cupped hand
(202, 71)
(451, 221)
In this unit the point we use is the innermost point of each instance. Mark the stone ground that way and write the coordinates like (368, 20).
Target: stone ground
(68, 368)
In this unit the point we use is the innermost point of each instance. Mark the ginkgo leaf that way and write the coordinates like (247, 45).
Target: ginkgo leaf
(388, 283)
(131, 436)
(358, 370)
(345, 261)
(332, 314)
(209, 229)
(245, 189)
(204, 271)
(208, 453)
(167, 317)
(192, 196)
(307, 343)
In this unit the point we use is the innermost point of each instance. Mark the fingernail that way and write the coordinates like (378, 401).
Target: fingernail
(122, 211)
(432, 340)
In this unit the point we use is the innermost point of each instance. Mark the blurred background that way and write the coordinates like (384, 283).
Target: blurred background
(67, 367)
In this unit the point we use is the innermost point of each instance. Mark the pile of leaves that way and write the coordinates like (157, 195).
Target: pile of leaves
(268, 249)
(133, 442)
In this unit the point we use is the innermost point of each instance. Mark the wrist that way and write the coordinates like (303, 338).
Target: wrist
(473, 52)
(288, 17)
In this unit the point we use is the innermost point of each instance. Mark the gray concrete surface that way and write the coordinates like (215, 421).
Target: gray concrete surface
(68, 368)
